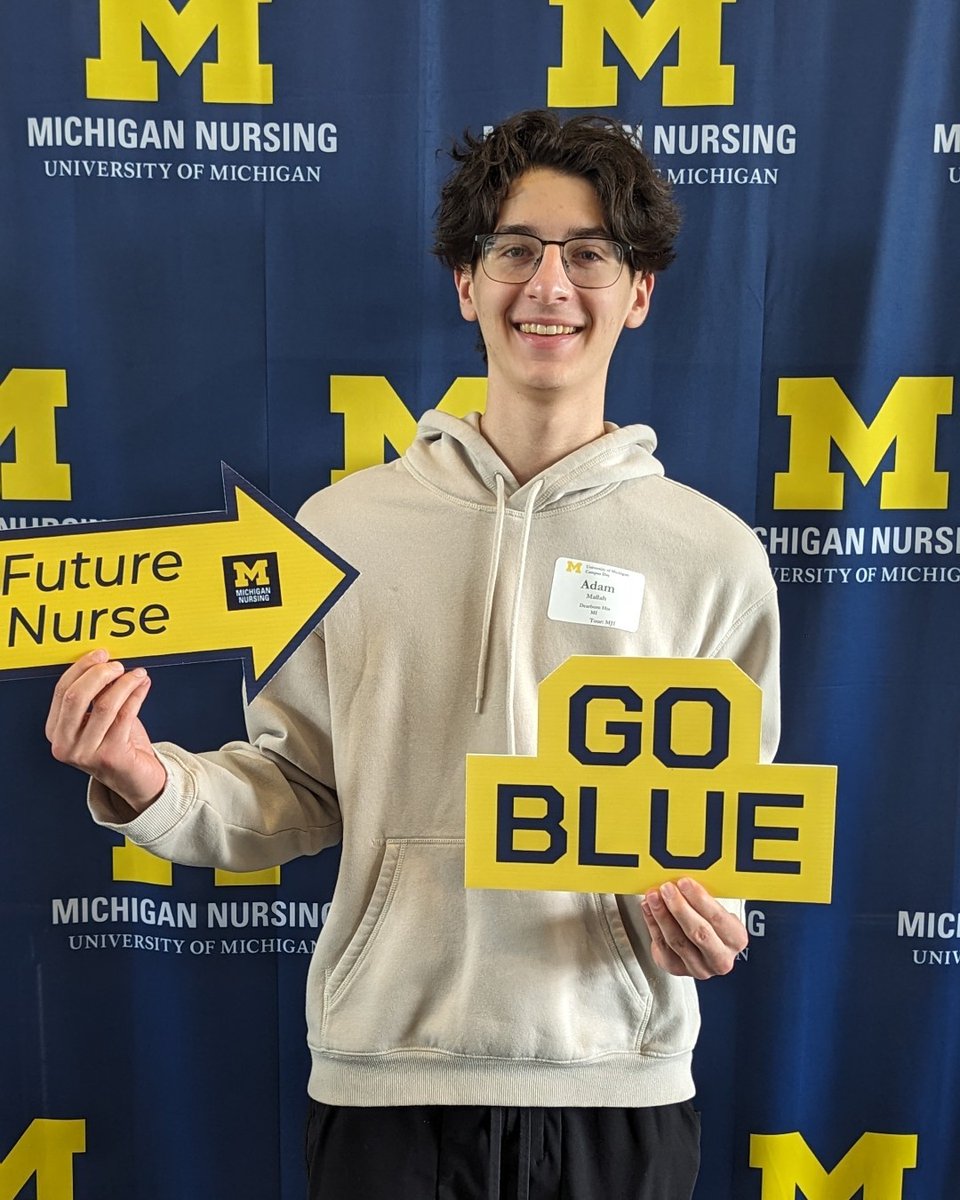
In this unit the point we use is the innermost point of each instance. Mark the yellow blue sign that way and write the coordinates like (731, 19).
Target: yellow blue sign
(648, 770)
(247, 583)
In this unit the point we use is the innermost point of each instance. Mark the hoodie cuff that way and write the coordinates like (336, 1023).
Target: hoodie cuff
(159, 817)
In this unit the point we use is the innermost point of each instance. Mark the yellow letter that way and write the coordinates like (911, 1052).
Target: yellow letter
(237, 77)
(582, 80)
(269, 875)
(46, 1150)
(27, 403)
(133, 864)
(373, 414)
(875, 1163)
(255, 575)
(821, 414)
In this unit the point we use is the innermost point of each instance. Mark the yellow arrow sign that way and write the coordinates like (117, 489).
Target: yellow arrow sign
(247, 583)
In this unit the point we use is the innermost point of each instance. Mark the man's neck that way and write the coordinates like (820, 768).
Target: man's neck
(531, 434)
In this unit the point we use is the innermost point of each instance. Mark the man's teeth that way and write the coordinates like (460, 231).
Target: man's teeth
(547, 330)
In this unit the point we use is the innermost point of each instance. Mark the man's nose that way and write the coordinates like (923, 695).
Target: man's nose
(550, 277)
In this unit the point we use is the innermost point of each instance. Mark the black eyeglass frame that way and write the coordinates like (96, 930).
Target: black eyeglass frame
(481, 239)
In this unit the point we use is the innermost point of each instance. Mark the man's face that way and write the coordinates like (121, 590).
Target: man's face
(546, 335)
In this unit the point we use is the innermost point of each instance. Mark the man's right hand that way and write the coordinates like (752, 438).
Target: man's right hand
(93, 724)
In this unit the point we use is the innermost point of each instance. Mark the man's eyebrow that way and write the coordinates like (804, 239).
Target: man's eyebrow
(580, 231)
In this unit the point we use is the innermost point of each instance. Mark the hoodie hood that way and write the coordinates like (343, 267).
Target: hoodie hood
(453, 456)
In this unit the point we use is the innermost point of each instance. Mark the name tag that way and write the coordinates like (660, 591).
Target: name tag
(588, 593)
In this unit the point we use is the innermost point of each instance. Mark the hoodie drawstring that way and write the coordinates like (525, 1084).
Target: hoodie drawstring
(491, 588)
(492, 576)
(515, 617)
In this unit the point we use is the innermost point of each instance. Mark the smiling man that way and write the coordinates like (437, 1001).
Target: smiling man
(550, 292)
(468, 1045)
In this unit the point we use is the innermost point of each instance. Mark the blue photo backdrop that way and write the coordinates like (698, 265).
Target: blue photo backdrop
(215, 222)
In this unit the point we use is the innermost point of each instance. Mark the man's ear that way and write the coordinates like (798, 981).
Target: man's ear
(642, 290)
(463, 278)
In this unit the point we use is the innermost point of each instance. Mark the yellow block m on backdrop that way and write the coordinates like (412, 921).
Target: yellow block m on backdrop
(583, 80)
(237, 76)
(45, 1150)
(875, 1163)
(822, 416)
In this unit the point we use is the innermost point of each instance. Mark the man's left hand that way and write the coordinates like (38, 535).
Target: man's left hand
(691, 933)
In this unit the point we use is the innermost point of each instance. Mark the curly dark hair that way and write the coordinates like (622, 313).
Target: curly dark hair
(636, 201)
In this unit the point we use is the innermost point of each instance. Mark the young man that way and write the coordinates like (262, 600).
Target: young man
(468, 1041)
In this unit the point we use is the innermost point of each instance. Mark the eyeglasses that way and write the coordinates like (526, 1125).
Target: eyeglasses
(590, 262)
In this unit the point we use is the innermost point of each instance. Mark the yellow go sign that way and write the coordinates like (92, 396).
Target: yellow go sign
(648, 770)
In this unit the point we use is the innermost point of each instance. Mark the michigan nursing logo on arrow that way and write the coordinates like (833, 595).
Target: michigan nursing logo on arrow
(248, 583)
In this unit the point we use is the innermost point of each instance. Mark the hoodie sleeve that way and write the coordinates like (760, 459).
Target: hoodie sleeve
(250, 805)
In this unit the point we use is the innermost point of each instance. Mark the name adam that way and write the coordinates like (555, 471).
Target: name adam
(26, 573)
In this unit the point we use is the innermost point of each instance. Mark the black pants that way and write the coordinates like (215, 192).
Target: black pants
(450, 1153)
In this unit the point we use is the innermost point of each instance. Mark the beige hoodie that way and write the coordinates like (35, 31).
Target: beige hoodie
(420, 991)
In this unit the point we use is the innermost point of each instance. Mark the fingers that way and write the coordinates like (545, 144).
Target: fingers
(94, 699)
(114, 710)
(663, 956)
(691, 930)
(679, 954)
(76, 701)
(65, 682)
(94, 725)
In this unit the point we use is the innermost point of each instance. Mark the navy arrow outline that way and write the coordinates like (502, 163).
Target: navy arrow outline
(232, 483)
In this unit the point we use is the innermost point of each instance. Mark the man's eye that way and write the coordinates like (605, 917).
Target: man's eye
(512, 250)
(592, 254)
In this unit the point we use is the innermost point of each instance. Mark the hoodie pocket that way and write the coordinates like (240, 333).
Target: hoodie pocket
(546, 975)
